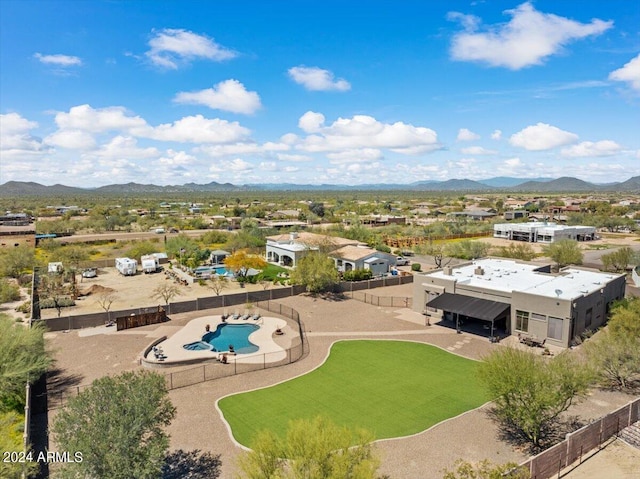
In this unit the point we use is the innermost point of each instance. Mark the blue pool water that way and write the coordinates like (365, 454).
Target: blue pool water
(226, 334)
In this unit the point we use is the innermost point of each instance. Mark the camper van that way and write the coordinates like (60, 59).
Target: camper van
(149, 263)
(126, 266)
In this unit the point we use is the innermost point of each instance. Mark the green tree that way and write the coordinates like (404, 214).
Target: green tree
(531, 391)
(521, 251)
(564, 252)
(614, 353)
(141, 248)
(619, 259)
(17, 260)
(118, 425)
(22, 358)
(467, 249)
(486, 470)
(315, 271)
(312, 449)
(11, 427)
(615, 359)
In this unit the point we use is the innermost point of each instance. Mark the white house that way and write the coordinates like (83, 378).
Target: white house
(542, 232)
(517, 297)
(288, 249)
(351, 257)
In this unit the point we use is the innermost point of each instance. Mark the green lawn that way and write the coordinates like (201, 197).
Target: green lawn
(391, 388)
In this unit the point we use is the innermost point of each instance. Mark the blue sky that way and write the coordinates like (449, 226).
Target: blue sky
(101, 92)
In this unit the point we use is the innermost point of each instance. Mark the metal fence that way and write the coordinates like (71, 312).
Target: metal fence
(551, 462)
(210, 371)
(385, 301)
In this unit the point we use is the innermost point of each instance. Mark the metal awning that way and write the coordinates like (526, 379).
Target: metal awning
(468, 306)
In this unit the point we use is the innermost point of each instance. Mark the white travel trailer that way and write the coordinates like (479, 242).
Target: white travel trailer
(149, 263)
(126, 266)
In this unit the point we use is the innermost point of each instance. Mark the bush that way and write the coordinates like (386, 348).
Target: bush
(24, 308)
(383, 247)
(416, 267)
(357, 275)
(50, 303)
(8, 291)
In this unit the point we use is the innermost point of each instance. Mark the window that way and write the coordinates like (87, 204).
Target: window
(555, 328)
(538, 317)
(588, 317)
(522, 321)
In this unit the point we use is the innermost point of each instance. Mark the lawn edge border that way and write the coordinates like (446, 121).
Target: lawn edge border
(324, 360)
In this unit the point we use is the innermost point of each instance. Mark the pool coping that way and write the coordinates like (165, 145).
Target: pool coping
(176, 355)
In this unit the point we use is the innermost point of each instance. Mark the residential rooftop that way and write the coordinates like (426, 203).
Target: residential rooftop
(509, 275)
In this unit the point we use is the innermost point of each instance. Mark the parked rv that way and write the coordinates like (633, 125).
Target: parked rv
(127, 266)
(149, 264)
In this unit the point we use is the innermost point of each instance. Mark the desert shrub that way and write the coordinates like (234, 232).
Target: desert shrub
(357, 275)
(416, 267)
(51, 303)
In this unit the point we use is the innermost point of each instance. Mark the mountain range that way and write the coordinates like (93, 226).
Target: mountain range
(498, 184)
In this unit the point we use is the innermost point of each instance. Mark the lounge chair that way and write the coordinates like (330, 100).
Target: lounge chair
(245, 316)
(236, 315)
(256, 316)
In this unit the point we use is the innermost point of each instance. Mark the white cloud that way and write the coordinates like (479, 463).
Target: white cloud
(171, 47)
(58, 60)
(362, 131)
(477, 150)
(467, 135)
(86, 118)
(629, 73)
(294, 158)
(513, 162)
(15, 138)
(15, 124)
(496, 135)
(177, 158)
(71, 139)
(542, 137)
(241, 148)
(237, 165)
(196, 129)
(229, 95)
(311, 122)
(363, 155)
(125, 147)
(592, 149)
(317, 79)
(527, 39)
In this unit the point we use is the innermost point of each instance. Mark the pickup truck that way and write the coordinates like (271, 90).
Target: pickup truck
(401, 261)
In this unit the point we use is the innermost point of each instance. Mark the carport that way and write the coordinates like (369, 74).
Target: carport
(477, 308)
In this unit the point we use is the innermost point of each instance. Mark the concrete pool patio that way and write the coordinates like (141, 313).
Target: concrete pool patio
(473, 435)
(174, 353)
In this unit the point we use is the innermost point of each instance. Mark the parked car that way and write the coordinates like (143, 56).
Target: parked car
(402, 261)
(89, 273)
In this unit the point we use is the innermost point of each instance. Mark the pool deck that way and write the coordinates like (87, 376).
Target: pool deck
(193, 331)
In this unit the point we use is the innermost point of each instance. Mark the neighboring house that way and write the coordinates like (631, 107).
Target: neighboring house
(476, 215)
(288, 249)
(349, 258)
(517, 297)
(536, 232)
(515, 214)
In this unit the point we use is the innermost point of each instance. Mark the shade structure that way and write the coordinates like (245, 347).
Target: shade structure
(468, 306)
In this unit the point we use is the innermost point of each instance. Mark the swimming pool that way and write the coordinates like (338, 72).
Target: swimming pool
(225, 335)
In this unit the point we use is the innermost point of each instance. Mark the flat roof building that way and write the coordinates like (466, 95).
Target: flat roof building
(542, 232)
(515, 297)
